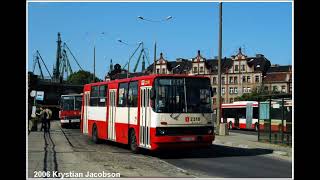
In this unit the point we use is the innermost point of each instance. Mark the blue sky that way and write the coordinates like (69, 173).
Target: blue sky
(259, 28)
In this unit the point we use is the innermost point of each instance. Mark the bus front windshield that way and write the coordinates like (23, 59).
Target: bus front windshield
(182, 95)
(69, 103)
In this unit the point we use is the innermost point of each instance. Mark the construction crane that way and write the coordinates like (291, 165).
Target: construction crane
(141, 54)
(62, 61)
(36, 60)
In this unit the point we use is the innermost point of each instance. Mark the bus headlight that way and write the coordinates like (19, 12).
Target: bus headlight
(161, 131)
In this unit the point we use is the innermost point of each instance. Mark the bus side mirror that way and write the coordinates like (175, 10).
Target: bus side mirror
(153, 94)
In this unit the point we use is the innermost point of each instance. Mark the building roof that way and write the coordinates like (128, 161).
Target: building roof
(260, 63)
(276, 77)
(277, 68)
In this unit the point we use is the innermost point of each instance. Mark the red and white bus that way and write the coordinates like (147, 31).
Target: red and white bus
(70, 106)
(241, 115)
(151, 112)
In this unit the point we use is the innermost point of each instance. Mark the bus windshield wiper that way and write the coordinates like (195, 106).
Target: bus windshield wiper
(176, 117)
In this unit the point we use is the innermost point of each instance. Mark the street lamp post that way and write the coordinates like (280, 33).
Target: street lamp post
(219, 71)
(94, 57)
(155, 43)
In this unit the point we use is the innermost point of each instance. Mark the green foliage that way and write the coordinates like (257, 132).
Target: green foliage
(256, 95)
(81, 77)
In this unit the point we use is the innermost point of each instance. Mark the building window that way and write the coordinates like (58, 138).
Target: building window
(266, 88)
(236, 68)
(235, 90)
(283, 89)
(158, 71)
(248, 79)
(275, 88)
(223, 90)
(223, 100)
(214, 80)
(231, 90)
(290, 88)
(243, 67)
(243, 79)
(249, 90)
(236, 80)
(223, 80)
(195, 70)
(257, 79)
(245, 90)
(231, 100)
(214, 90)
(230, 80)
(201, 69)
(163, 70)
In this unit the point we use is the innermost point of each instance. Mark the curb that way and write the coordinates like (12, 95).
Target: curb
(245, 146)
(282, 153)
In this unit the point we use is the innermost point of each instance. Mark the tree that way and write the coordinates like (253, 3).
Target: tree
(256, 95)
(81, 77)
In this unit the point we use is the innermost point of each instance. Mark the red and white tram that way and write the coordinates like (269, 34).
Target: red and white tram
(151, 112)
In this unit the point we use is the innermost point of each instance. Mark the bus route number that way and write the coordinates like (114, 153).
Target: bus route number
(193, 120)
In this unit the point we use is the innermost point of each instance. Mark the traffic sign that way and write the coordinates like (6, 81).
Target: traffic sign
(40, 95)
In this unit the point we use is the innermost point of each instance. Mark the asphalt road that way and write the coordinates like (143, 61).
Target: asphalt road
(68, 150)
(230, 162)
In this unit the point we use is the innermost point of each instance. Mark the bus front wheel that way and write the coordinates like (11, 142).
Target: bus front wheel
(133, 142)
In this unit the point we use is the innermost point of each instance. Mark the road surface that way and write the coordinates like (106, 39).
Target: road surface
(68, 151)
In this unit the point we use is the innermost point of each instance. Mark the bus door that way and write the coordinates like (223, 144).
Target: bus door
(236, 118)
(85, 112)
(145, 117)
(249, 111)
(112, 115)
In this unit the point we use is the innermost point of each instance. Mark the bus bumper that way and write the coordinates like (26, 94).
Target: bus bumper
(176, 142)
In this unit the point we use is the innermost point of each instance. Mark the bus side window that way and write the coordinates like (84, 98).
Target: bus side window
(94, 95)
(102, 96)
(122, 95)
(133, 94)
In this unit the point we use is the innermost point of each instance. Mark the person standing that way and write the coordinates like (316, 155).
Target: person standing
(42, 115)
(48, 118)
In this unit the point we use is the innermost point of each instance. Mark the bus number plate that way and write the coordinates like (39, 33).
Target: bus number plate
(187, 138)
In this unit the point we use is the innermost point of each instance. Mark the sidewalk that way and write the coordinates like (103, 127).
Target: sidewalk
(250, 142)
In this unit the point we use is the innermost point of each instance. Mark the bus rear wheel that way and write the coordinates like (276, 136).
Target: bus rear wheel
(133, 142)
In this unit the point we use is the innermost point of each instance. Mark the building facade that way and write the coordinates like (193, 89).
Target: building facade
(240, 74)
(278, 79)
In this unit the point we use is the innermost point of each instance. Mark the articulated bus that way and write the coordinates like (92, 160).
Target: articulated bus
(241, 115)
(70, 109)
(151, 112)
